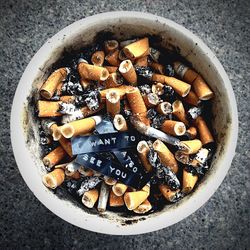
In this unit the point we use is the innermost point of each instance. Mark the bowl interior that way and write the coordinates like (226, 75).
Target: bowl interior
(123, 25)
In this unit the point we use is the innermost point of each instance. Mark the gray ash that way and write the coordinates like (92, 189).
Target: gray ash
(72, 88)
(169, 70)
(79, 101)
(200, 170)
(170, 179)
(169, 94)
(151, 113)
(145, 89)
(178, 196)
(194, 112)
(67, 108)
(72, 186)
(88, 183)
(158, 120)
(92, 99)
(145, 73)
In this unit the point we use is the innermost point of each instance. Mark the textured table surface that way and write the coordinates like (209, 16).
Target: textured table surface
(222, 223)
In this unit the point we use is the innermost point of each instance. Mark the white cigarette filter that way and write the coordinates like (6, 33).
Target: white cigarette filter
(80, 127)
(134, 199)
(90, 197)
(54, 179)
(143, 208)
(120, 123)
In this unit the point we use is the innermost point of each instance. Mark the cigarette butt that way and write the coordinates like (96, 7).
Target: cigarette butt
(113, 103)
(185, 73)
(167, 192)
(192, 99)
(127, 70)
(157, 67)
(188, 181)
(103, 197)
(182, 157)
(122, 56)
(111, 45)
(191, 132)
(113, 58)
(121, 90)
(120, 123)
(85, 83)
(158, 88)
(151, 100)
(142, 62)
(67, 98)
(114, 80)
(111, 69)
(137, 49)
(55, 132)
(193, 146)
(66, 144)
(119, 189)
(54, 179)
(164, 108)
(180, 87)
(143, 150)
(127, 42)
(109, 181)
(204, 132)
(49, 87)
(201, 89)
(78, 127)
(173, 127)
(76, 175)
(54, 157)
(114, 200)
(143, 208)
(158, 78)
(98, 58)
(48, 109)
(179, 111)
(92, 72)
(90, 197)
(134, 199)
(165, 155)
(137, 104)
(58, 90)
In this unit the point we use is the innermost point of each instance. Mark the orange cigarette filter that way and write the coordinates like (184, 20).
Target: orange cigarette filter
(48, 109)
(113, 58)
(192, 98)
(143, 150)
(164, 108)
(158, 78)
(54, 157)
(67, 98)
(134, 199)
(78, 127)
(54, 179)
(92, 72)
(137, 104)
(58, 90)
(179, 111)
(142, 62)
(90, 197)
(113, 103)
(151, 100)
(157, 67)
(115, 201)
(98, 58)
(49, 87)
(191, 132)
(121, 90)
(204, 132)
(127, 70)
(201, 89)
(55, 132)
(111, 69)
(143, 208)
(137, 49)
(167, 192)
(165, 155)
(188, 181)
(66, 145)
(111, 45)
(114, 80)
(185, 73)
(193, 146)
(173, 127)
(120, 123)
(109, 181)
(119, 189)
(180, 87)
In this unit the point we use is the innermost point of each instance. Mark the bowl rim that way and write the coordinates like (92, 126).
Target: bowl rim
(21, 153)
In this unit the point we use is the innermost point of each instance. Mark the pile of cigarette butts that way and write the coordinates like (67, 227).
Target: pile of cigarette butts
(129, 85)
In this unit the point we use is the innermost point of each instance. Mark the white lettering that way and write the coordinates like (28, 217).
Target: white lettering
(135, 169)
(111, 169)
(124, 175)
(107, 141)
(92, 160)
(126, 137)
(85, 157)
(132, 138)
(93, 143)
(99, 162)
(100, 142)
(113, 139)
(118, 172)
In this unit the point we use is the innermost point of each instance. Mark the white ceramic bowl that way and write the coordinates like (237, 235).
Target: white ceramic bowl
(124, 25)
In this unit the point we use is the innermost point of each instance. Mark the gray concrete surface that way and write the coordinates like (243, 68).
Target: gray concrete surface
(223, 223)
